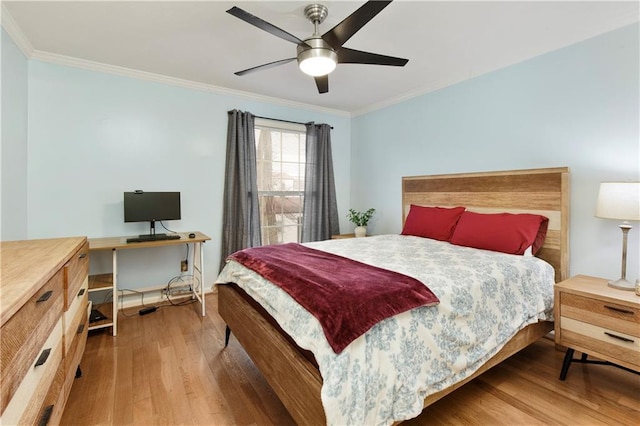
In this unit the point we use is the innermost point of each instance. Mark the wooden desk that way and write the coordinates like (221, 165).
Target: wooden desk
(110, 281)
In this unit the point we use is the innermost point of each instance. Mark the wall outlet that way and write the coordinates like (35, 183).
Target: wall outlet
(183, 266)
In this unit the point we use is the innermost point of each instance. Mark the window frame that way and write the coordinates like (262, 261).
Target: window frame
(282, 127)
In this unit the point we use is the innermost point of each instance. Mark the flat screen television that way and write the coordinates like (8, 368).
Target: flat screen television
(141, 206)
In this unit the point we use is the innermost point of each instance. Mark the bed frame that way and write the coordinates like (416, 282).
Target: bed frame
(297, 382)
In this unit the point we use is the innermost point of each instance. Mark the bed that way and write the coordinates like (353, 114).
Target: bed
(294, 373)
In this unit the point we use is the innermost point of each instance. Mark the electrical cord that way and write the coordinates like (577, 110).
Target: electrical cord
(167, 229)
(141, 293)
(107, 297)
(167, 292)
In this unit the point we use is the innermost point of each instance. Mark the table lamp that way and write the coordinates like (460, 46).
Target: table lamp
(620, 200)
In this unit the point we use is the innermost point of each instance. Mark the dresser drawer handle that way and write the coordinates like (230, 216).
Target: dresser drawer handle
(46, 416)
(624, 339)
(82, 255)
(43, 357)
(622, 311)
(81, 292)
(45, 296)
(80, 329)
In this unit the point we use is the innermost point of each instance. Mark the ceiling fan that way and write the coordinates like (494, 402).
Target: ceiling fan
(318, 55)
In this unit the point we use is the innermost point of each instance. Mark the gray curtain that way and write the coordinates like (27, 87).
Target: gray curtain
(320, 209)
(241, 215)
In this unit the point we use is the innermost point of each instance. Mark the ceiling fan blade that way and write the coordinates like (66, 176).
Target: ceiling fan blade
(323, 83)
(338, 35)
(265, 66)
(351, 56)
(263, 25)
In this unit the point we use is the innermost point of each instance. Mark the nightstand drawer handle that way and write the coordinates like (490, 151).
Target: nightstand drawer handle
(622, 311)
(81, 292)
(624, 339)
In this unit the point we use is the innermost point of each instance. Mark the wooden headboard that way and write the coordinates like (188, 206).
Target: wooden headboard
(538, 191)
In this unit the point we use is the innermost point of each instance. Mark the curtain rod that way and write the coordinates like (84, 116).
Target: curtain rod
(286, 121)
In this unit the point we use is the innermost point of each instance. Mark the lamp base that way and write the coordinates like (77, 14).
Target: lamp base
(622, 284)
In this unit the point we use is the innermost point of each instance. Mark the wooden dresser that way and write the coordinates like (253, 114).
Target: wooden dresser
(44, 319)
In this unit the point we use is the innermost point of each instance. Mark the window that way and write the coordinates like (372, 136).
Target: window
(280, 155)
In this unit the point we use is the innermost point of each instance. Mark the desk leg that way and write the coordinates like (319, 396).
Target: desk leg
(198, 274)
(201, 278)
(114, 313)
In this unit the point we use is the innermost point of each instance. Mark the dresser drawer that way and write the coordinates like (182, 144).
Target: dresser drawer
(51, 409)
(24, 335)
(25, 406)
(74, 316)
(612, 316)
(75, 272)
(75, 352)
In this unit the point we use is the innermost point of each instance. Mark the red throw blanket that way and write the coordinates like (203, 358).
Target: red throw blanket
(347, 297)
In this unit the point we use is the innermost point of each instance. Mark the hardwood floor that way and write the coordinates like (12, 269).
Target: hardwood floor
(170, 367)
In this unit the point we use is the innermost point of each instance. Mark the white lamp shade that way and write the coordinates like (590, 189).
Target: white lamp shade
(619, 200)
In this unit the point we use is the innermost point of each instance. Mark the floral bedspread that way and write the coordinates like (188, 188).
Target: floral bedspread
(384, 375)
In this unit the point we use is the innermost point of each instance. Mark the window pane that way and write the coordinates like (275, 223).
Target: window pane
(276, 141)
(289, 178)
(290, 147)
(280, 167)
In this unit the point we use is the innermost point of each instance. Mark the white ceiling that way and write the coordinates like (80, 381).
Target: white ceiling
(196, 43)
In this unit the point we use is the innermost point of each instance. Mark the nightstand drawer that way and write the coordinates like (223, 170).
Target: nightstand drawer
(625, 319)
(601, 341)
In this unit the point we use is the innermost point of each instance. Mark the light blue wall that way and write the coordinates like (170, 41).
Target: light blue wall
(576, 107)
(95, 135)
(13, 225)
(92, 136)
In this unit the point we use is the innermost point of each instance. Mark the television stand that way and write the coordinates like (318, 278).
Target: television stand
(104, 282)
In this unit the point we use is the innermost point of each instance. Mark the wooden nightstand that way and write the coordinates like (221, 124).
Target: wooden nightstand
(595, 319)
(342, 236)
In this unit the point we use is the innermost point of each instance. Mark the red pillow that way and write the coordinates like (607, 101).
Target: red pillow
(504, 232)
(436, 223)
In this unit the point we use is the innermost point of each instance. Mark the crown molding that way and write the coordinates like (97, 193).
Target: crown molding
(19, 38)
(14, 31)
(70, 61)
(432, 87)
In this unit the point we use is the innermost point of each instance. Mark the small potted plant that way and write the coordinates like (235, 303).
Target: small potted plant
(360, 219)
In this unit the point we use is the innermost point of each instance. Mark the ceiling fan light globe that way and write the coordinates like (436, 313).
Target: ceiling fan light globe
(317, 62)
(317, 67)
